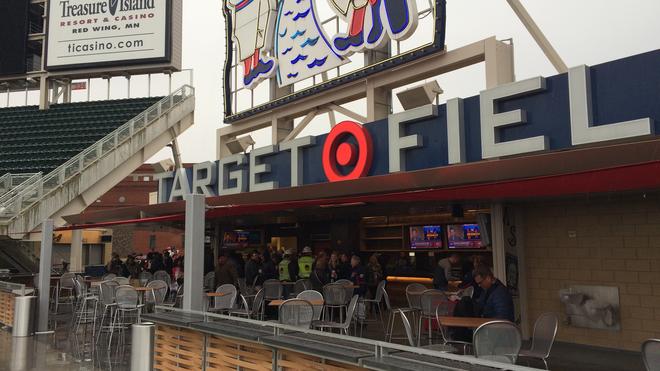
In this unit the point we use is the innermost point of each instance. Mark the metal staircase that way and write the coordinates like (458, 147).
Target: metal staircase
(73, 186)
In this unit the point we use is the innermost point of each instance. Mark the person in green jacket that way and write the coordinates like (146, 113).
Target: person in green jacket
(305, 263)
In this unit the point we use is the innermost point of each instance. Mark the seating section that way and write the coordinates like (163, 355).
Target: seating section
(33, 140)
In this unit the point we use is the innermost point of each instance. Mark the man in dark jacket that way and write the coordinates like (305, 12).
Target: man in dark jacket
(252, 268)
(496, 301)
(225, 271)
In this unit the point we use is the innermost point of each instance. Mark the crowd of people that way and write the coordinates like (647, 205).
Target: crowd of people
(154, 261)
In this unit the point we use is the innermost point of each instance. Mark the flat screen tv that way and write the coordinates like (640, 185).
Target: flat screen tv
(425, 237)
(463, 236)
(241, 238)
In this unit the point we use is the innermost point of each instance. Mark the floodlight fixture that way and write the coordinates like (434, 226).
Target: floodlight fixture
(240, 145)
(420, 95)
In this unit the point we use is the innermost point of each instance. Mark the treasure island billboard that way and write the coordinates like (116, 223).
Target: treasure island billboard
(296, 41)
(90, 33)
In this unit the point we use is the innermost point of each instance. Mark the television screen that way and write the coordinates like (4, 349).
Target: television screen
(463, 236)
(426, 237)
(241, 238)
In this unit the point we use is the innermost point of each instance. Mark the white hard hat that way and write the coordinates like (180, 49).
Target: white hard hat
(307, 250)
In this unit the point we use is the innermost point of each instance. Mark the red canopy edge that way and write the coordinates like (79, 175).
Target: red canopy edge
(616, 179)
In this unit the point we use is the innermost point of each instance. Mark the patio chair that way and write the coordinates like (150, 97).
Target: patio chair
(109, 276)
(127, 300)
(85, 311)
(122, 280)
(349, 290)
(223, 303)
(273, 289)
(65, 293)
(145, 277)
(300, 286)
(651, 354)
(246, 310)
(163, 276)
(176, 300)
(389, 329)
(108, 304)
(430, 302)
(498, 341)
(446, 340)
(313, 295)
(296, 312)
(335, 297)
(377, 300)
(545, 330)
(209, 282)
(157, 294)
(411, 339)
(342, 326)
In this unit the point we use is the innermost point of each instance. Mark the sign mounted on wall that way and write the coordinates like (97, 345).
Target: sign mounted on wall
(291, 40)
(88, 33)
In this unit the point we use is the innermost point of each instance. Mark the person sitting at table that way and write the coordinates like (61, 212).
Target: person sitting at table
(225, 271)
(448, 265)
(496, 300)
(358, 276)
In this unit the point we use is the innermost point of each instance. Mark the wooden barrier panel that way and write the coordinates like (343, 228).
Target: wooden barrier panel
(7, 308)
(224, 354)
(177, 349)
(291, 361)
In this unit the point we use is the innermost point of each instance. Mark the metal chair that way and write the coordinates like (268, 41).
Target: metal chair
(273, 289)
(209, 282)
(313, 295)
(157, 294)
(107, 301)
(430, 302)
(389, 329)
(145, 277)
(342, 326)
(335, 297)
(296, 312)
(163, 276)
(122, 280)
(651, 354)
(545, 330)
(109, 276)
(176, 300)
(498, 341)
(65, 293)
(85, 312)
(411, 339)
(223, 303)
(246, 310)
(446, 340)
(127, 300)
(349, 290)
(300, 286)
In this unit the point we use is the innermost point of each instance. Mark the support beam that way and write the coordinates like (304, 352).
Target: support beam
(193, 281)
(349, 113)
(76, 258)
(302, 125)
(499, 64)
(282, 128)
(43, 93)
(45, 264)
(538, 36)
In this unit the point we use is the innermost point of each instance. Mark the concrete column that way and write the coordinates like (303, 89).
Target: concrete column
(76, 258)
(499, 247)
(193, 270)
(45, 264)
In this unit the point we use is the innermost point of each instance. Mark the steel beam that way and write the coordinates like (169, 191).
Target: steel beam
(193, 281)
(45, 264)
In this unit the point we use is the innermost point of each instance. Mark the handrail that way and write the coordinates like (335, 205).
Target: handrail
(95, 152)
(381, 348)
(12, 286)
(12, 191)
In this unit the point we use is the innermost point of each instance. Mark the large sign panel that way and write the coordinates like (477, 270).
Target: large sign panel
(293, 40)
(86, 33)
(14, 31)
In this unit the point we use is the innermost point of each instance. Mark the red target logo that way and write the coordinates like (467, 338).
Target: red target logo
(337, 151)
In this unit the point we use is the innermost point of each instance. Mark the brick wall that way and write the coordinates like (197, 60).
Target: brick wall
(609, 241)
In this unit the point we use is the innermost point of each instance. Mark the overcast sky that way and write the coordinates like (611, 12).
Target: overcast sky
(583, 32)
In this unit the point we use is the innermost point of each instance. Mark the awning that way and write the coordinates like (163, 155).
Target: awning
(645, 176)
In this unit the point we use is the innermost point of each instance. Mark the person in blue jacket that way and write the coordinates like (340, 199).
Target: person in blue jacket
(495, 301)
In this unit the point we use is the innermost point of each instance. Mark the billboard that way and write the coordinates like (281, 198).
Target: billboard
(14, 31)
(91, 33)
(308, 46)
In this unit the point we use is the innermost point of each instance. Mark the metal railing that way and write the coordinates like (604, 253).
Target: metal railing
(381, 348)
(16, 183)
(27, 196)
(18, 288)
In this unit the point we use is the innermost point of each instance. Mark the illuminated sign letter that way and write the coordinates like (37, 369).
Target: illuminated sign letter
(398, 142)
(296, 146)
(257, 168)
(583, 130)
(180, 185)
(204, 176)
(492, 120)
(240, 175)
(455, 131)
